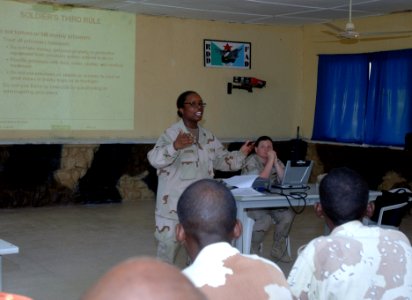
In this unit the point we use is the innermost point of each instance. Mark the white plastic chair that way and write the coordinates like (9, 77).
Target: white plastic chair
(384, 209)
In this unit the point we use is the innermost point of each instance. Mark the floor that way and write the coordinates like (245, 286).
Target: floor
(64, 249)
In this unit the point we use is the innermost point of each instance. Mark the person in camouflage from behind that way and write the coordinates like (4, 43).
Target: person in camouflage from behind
(208, 224)
(354, 261)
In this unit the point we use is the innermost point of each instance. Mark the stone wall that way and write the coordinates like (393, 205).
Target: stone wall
(75, 160)
(383, 168)
(38, 175)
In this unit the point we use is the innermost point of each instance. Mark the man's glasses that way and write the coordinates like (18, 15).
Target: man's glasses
(196, 104)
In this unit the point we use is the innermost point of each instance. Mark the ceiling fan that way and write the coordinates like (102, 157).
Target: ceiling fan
(349, 33)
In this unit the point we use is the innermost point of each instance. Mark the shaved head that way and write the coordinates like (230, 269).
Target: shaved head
(143, 278)
(207, 211)
(344, 195)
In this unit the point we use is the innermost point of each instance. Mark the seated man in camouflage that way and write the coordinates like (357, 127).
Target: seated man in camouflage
(354, 261)
(208, 224)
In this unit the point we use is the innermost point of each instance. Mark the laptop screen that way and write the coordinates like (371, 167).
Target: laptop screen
(297, 173)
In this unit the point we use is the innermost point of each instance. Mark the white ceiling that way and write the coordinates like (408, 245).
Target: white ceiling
(290, 12)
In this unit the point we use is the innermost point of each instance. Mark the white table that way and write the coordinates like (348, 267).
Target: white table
(270, 201)
(5, 248)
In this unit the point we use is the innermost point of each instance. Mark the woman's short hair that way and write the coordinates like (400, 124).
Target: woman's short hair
(181, 100)
(262, 138)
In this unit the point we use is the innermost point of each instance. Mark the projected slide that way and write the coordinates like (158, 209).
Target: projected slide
(65, 68)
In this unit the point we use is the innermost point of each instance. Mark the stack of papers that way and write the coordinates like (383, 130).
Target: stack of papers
(243, 185)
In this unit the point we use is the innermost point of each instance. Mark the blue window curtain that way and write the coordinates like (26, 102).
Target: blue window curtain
(353, 108)
(340, 101)
(389, 102)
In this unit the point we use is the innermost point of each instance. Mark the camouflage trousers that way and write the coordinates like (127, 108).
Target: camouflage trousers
(264, 218)
(165, 235)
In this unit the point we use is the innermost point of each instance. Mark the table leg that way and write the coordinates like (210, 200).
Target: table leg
(247, 234)
(1, 272)
(241, 216)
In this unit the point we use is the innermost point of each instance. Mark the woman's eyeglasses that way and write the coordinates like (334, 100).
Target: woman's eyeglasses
(196, 104)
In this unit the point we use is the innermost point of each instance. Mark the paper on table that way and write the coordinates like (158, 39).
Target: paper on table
(241, 181)
(245, 192)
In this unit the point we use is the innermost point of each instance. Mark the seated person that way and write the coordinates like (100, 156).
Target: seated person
(265, 163)
(143, 278)
(354, 261)
(208, 224)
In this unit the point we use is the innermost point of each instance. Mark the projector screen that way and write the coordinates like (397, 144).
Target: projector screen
(65, 72)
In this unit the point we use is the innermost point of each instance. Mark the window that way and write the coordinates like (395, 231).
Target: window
(364, 98)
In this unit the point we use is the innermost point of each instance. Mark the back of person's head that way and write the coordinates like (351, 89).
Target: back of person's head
(207, 212)
(343, 195)
(143, 278)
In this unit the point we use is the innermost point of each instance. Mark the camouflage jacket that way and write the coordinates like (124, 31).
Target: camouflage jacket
(254, 166)
(221, 272)
(354, 262)
(177, 169)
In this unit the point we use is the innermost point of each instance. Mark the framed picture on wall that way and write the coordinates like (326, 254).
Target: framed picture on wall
(227, 54)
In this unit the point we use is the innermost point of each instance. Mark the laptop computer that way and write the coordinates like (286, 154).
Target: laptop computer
(296, 175)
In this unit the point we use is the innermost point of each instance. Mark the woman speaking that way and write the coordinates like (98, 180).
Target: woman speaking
(183, 154)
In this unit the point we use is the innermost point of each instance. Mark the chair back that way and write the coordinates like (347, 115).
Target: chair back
(397, 212)
(391, 207)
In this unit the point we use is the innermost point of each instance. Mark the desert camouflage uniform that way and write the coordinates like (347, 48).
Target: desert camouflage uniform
(283, 217)
(221, 272)
(354, 262)
(177, 169)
